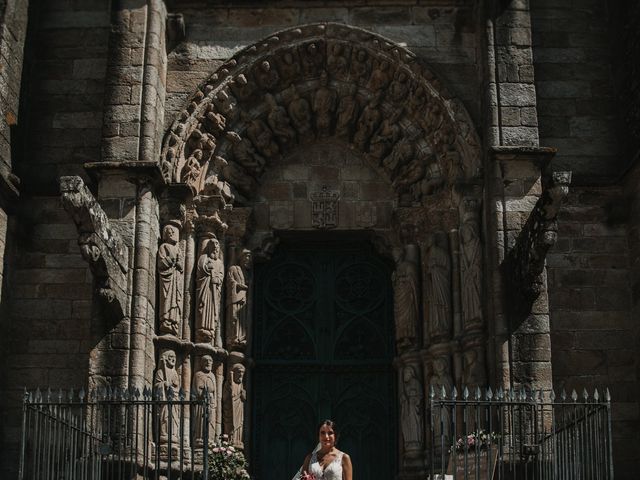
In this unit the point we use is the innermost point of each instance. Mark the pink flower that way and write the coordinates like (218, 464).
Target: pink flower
(308, 476)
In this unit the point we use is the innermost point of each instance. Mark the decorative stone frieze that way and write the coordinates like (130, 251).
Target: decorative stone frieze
(100, 245)
(317, 81)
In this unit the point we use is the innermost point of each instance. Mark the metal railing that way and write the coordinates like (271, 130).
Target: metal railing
(113, 434)
(529, 435)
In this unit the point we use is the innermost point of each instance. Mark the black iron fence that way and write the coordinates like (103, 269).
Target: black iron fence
(127, 434)
(114, 434)
(529, 435)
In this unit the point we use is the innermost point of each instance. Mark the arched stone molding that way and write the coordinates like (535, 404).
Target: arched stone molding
(334, 86)
(317, 81)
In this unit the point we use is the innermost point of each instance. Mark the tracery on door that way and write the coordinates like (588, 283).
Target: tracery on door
(323, 349)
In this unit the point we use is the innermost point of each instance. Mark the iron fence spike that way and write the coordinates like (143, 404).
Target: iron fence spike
(478, 393)
(146, 392)
(81, 394)
(585, 394)
(432, 392)
(596, 394)
(489, 394)
(48, 395)
(465, 393)
(181, 395)
(607, 395)
(454, 393)
(563, 395)
(70, 395)
(30, 397)
(500, 392)
(60, 395)
(552, 395)
(136, 393)
(574, 395)
(443, 393)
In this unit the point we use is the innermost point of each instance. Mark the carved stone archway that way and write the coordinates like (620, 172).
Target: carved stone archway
(300, 87)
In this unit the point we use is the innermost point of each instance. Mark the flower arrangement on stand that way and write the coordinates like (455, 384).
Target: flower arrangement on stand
(479, 440)
(227, 462)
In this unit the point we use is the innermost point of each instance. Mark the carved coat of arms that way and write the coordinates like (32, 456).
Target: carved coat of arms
(324, 208)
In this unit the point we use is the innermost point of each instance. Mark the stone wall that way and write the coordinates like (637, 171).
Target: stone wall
(47, 329)
(594, 334)
(442, 33)
(576, 100)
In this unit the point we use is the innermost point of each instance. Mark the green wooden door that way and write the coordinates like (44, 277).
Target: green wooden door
(323, 347)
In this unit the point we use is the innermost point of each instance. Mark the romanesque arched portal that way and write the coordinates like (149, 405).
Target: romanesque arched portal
(376, 114)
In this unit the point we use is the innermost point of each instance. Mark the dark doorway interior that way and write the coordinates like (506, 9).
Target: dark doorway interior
(323, 347)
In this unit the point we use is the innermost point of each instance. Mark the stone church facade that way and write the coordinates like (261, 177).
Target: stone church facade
(217, 193)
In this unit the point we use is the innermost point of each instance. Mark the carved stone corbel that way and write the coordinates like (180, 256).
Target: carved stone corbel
(100, 245)
(526, 261)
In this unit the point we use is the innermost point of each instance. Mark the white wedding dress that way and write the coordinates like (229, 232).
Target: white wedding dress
(333, 471)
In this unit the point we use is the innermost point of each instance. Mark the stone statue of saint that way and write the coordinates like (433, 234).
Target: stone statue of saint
(411, 410)
(367, 123)
(346, 113)
(300, 113)
(170, 279)
(438, 286)
(209, 278)
(237, 305)
(441, 418)
(278, 121)
(166, 378)
(470, 265)
(236, 398)
(474, 368)
(204, 382)
(324, 104)
(405, 296)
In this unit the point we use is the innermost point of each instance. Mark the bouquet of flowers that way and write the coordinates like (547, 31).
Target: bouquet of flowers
(226, 462)
(307, 476)
(476, 440)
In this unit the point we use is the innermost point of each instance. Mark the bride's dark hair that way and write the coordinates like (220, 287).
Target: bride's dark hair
(332, 425)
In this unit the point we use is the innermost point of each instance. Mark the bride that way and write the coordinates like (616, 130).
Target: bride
(326, 462)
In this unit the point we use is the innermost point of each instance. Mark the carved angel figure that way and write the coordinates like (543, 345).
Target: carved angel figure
(262, 138)
(347, 113)
(170, 279)
(385, 137)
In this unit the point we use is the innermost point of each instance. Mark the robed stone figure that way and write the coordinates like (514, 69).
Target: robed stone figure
(209, 278)
(438, 286)
(204, 383)
(405, 295)
(237, 300)
(411, 409)
(170, 280)
(236, 397)
(166, 383)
